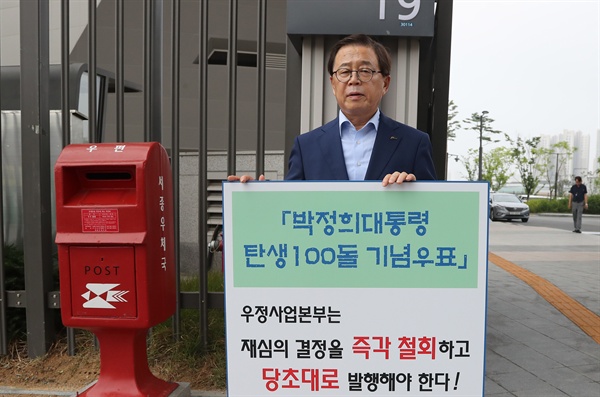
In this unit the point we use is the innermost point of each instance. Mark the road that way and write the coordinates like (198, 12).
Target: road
(590, 224)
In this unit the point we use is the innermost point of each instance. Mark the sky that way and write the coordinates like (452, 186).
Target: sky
(534, 65)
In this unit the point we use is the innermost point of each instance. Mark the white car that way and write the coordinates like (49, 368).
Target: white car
(507, 206)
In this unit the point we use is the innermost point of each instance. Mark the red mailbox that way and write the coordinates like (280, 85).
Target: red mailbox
(114, 231)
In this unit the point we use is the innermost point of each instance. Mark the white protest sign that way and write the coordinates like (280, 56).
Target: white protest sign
(350, 288)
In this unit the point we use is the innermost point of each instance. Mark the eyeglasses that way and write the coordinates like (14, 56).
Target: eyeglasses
(365, 75)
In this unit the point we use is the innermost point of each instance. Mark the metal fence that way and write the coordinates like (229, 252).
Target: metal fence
(37, 90)
(50, 104)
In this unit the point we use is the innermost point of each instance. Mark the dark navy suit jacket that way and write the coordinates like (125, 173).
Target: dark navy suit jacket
(318, 154)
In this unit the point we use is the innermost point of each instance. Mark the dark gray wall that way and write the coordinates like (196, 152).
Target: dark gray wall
(217, 87)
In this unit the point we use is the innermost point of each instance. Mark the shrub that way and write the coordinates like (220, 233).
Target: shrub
(561, 205)
(594, 204)
(548, 205)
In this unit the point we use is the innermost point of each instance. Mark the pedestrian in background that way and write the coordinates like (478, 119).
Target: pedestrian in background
(578, 201)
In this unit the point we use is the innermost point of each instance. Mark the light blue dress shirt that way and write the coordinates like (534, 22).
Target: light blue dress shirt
(358, 145)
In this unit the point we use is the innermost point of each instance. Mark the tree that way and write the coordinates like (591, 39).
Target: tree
(595, 178)
(552, 162)
(589, 179)
(525, 154)
(496, 167)
(453, 125)
(470, 163)
(483, 125)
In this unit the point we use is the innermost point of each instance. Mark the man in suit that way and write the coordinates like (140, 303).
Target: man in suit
(361, 143)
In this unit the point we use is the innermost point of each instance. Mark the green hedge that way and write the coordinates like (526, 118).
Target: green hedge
(561, 205)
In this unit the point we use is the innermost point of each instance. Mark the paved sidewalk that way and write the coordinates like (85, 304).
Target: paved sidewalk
(533, 349)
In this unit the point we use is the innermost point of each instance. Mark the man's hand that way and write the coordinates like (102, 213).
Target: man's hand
(398, 178)
(243, 178)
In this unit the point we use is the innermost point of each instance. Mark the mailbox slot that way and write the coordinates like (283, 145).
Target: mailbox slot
(97, 185)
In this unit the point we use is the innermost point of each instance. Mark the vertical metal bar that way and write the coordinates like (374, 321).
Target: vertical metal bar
(153, 28)
(441, 62)
(120, 75)
(175, 49)
(261, 72)
(147, 69)
(202, 170)
(35, 152)
(93, 89)
(65, 48)
(156, 71)
(66, 110)
(293, 101)
(232, 69)
(3, 306)
(3, 318)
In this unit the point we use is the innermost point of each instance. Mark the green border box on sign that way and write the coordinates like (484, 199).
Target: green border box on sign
(311, 258)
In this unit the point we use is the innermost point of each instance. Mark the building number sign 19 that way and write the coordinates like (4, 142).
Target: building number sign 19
(390, 18)
(412, 6)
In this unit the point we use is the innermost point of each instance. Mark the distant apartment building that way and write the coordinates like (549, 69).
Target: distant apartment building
(579, 164)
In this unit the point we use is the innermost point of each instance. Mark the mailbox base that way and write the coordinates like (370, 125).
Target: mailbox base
(183, 390)
(124, 370)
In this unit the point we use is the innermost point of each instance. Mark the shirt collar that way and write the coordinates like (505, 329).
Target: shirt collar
(374, 120)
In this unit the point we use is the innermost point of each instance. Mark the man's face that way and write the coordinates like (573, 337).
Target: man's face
(358, 100)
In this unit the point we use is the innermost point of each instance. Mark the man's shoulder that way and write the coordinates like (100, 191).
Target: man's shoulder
(330, 126)
(580, 187)
(389, 123)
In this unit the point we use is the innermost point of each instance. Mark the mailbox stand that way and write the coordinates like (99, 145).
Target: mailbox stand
(114, 223)
(124, 367)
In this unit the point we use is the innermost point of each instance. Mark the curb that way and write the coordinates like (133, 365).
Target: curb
(7, 390)
(552, 214)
